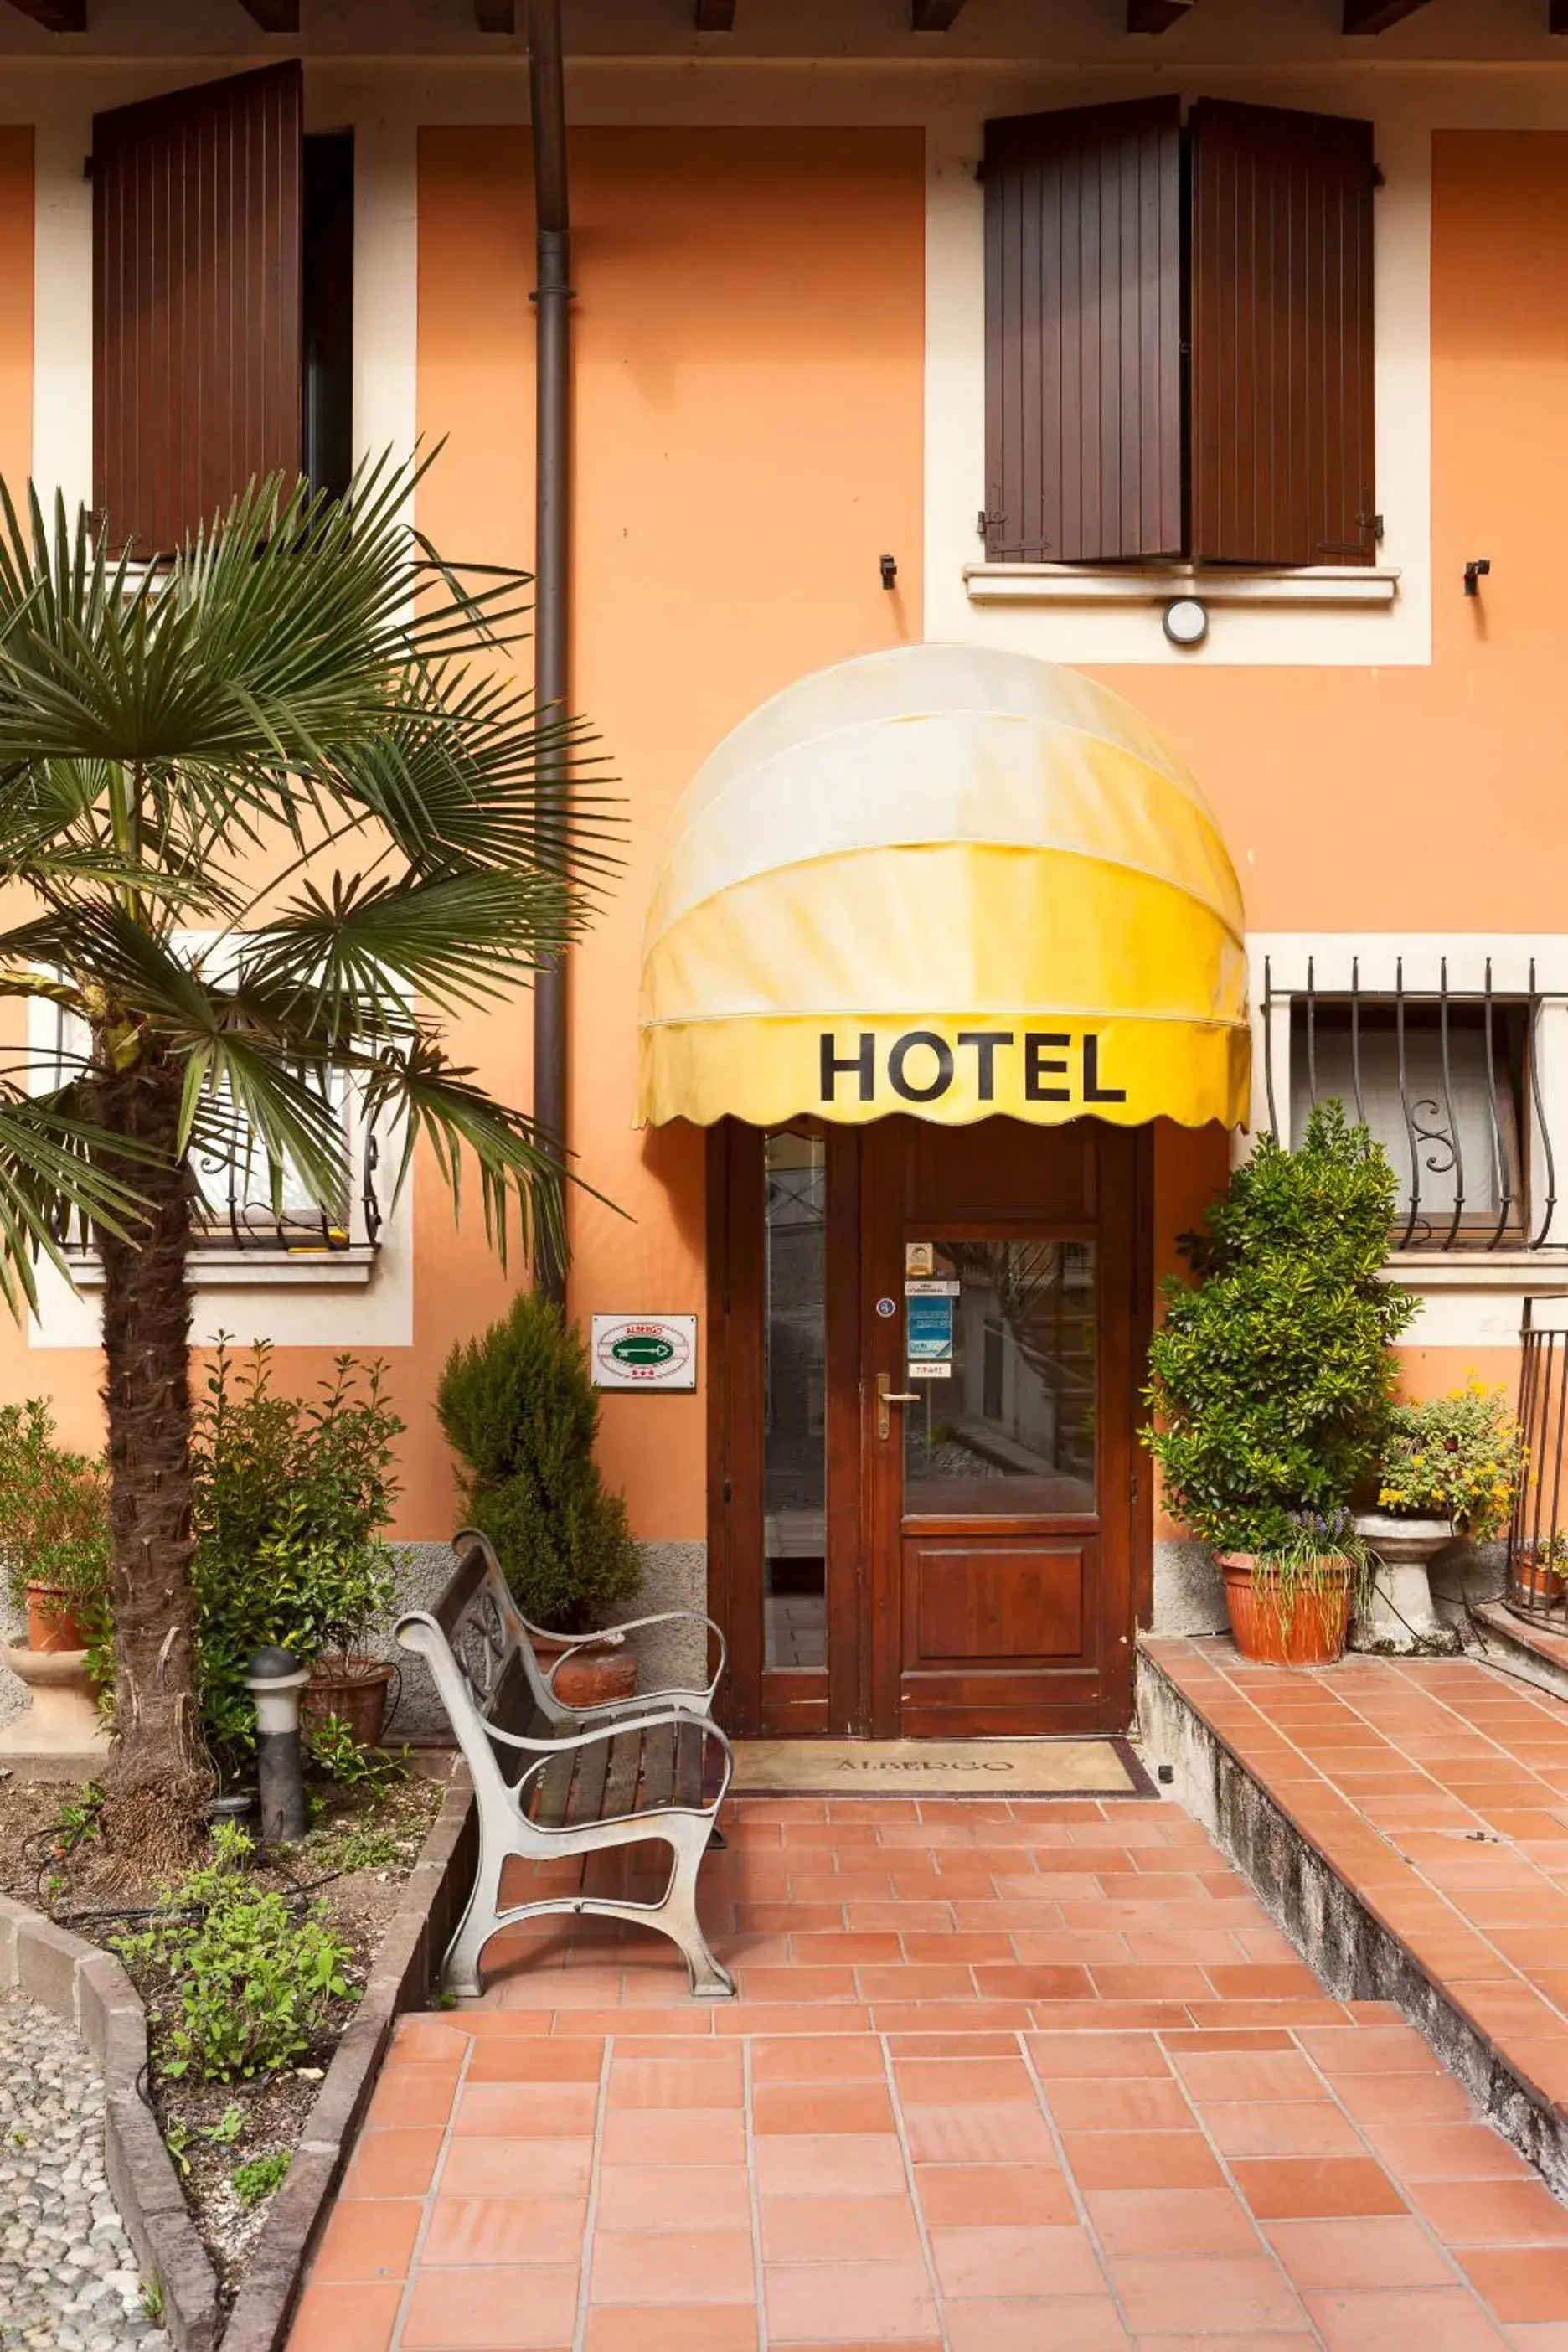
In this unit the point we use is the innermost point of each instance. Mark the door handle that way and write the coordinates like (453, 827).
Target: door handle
(887, 1396)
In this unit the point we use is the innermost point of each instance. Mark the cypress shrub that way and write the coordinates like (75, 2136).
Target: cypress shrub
(518, 1407)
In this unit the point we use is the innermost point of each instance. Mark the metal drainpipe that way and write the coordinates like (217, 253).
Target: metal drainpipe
(552, 378)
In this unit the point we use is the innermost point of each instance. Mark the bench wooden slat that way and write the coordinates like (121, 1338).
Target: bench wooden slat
(551, 1791)
(621, 1781)
(688, 1746)
(656, 1788)
(586, 1802)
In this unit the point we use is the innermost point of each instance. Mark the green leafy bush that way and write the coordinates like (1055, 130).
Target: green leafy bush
(1270, 1381)
(518, 1406)
(291, 1496)
(1452, 1457)
(333, 1751)
(260, 2177)
(54, 1516)
(254, 1983)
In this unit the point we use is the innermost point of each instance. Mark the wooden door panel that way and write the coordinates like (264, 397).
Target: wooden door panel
(996, 1172)
(1012, 1600)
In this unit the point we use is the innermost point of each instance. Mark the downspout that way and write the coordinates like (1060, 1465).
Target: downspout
(551, 651)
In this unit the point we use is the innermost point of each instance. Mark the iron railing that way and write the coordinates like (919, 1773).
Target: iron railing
(1537, 1584)
(1450, 1080)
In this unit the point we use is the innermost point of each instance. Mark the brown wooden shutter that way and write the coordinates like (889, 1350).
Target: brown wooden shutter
(1281, 336)
(195, 301)
(1083, 350)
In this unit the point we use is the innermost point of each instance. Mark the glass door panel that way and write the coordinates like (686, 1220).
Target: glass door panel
(1002, 1424)
(795, 1394)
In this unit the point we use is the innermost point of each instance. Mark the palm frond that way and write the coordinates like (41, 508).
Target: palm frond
(51, 1171)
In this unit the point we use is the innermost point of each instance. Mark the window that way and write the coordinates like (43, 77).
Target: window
(237, 1209)
(222, 248)
(1458, 1083)
(1179, 336)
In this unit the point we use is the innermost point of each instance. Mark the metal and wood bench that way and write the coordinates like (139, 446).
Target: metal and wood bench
(552, 1781)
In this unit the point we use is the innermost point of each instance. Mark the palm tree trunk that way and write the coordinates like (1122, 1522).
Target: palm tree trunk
(159, 1776)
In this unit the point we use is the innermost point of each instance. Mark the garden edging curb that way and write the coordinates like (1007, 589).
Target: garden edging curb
(400, 1979)
(87, 1989)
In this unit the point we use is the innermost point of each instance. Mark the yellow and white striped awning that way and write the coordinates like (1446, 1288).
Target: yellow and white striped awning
(947, 881)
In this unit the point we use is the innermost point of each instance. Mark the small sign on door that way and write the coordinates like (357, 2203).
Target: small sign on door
(920, 1261)
(929, 1338)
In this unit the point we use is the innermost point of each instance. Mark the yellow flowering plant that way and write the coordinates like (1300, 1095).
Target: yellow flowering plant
(1455, 1457)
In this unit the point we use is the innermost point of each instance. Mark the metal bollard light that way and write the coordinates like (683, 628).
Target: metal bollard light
(275, 1682)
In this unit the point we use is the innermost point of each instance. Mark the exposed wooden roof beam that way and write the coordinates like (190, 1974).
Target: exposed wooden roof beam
(1377, 16)
(274, 16)
(932, 15)
(491, 16)
(1155, 15)
(55, 15)
(715, 16)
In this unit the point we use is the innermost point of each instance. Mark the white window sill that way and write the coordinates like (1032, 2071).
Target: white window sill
(1088, 584)
(253, 1269)
(1543, 1270)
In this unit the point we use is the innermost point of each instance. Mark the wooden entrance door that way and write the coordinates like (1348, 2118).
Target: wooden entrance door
(925, 1516)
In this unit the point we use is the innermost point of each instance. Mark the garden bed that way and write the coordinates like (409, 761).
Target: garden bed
(349, 1872)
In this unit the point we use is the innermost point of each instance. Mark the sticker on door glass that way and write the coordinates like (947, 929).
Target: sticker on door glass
(930, 1332)
(920, 1260)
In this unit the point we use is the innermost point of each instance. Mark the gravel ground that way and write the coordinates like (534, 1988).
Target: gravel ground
(68, 2277)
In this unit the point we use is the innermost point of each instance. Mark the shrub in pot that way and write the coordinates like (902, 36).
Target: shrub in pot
(53, 1535)
(1271, 1376)
(520, 1412)
(291, 1496)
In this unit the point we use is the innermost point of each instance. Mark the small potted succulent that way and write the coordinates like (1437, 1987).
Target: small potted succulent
(520, 1413)
(1449, 1467)
(1270, 1377)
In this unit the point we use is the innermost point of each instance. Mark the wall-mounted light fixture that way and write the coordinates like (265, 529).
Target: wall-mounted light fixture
(890, 567)
(1475, 573)
(1186, 622)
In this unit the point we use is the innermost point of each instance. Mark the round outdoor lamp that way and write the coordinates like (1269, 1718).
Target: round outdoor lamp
(1186, 622)
(274, 1683)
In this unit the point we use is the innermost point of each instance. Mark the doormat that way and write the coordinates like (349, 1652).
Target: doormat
(938, 1768)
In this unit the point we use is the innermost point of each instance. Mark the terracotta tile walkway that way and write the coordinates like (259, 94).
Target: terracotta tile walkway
(1439, 1789)
(1038, 2078)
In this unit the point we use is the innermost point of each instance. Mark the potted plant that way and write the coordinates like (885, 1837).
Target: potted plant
(1271, 1379)
(54, 1511)
(290, 1499)
(1449, 1467)
(519, 1409)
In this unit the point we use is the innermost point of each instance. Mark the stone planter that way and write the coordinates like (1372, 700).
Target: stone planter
(62, 1726)
(1399, 1616)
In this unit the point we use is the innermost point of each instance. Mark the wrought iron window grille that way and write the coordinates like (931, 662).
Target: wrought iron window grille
(1451, 1081)
(235, 1209)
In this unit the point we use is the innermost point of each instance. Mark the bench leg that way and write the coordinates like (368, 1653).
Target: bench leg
(460, 1969)
(677, 1915)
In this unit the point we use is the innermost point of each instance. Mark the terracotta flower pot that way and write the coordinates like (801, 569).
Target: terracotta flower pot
(52, 1622)
(591, 1678)
(1540, 1583)
(1310, 1632)
(355, 1690)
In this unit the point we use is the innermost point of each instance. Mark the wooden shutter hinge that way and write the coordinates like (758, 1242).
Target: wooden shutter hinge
(87, 167)
(1372, 522)
(1379, 178)
(985, 520)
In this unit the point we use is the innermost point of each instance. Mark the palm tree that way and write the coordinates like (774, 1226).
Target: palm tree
(275, 808)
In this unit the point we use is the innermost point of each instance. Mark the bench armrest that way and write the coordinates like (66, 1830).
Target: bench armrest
(614, 1636)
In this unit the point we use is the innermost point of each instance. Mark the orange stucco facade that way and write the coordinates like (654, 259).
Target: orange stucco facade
(757, 356)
